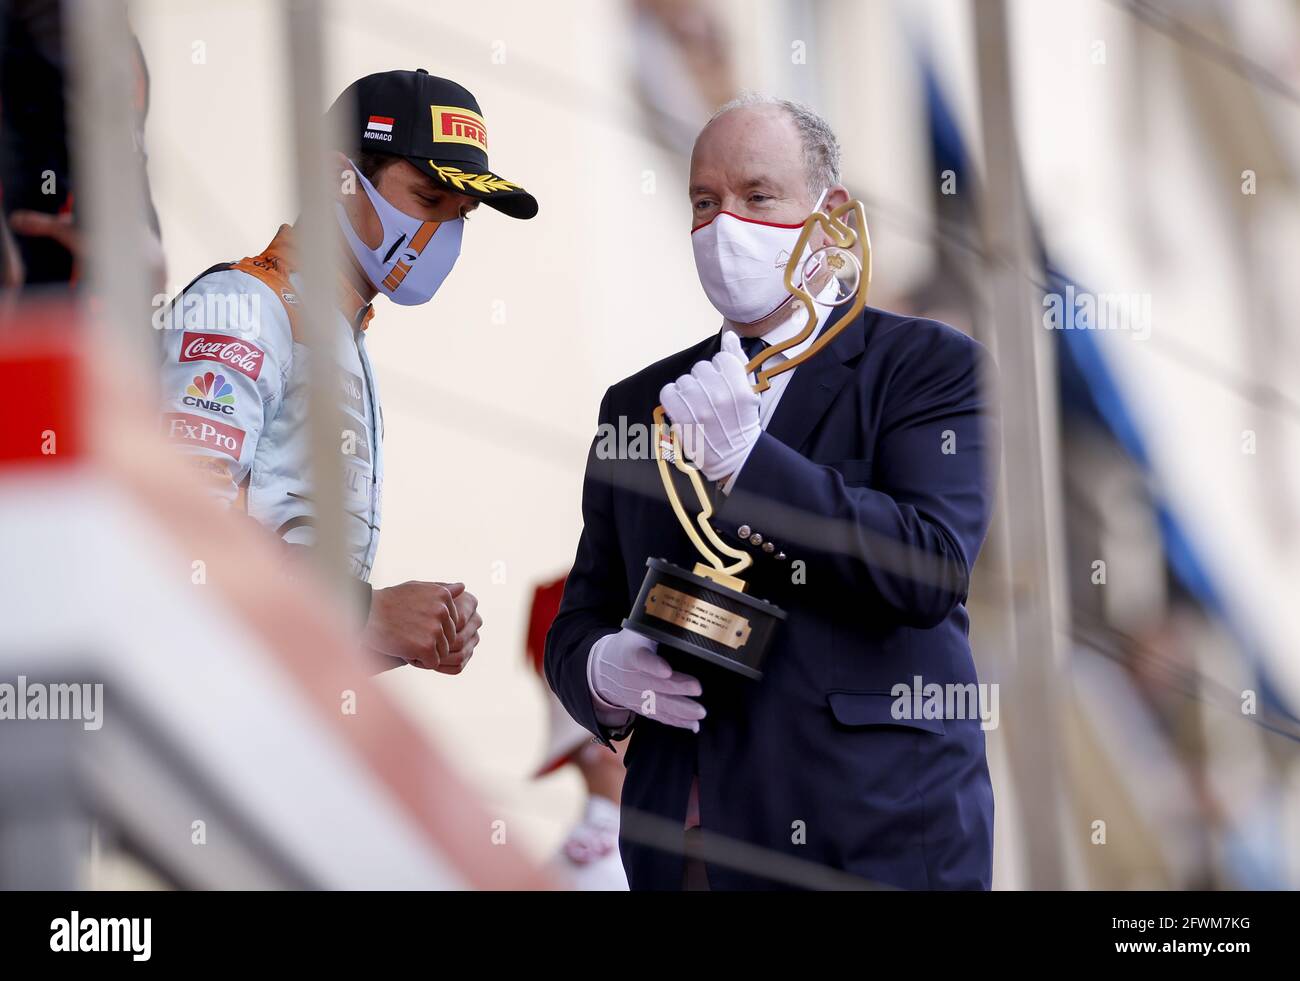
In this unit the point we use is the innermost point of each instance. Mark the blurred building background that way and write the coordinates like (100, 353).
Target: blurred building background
(1159, 156)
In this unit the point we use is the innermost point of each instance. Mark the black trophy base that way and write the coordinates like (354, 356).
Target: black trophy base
(706, 619)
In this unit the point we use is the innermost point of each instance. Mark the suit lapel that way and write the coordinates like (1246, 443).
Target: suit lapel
(815, 384)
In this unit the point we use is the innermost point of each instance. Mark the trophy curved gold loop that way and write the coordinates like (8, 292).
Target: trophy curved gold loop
(703, 536)
(664, 432)
(844, 236)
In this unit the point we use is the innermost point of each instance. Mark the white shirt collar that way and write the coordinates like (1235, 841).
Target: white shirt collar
(824, 302)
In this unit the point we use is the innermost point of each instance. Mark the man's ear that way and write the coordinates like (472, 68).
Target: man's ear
(836, 196)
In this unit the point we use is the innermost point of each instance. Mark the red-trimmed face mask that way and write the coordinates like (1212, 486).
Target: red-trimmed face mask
(741, 264)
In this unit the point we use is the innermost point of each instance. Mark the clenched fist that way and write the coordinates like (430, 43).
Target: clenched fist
(462, 649)
(431, 625)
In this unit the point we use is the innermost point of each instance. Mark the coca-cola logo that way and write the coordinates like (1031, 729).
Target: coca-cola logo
(231, 351)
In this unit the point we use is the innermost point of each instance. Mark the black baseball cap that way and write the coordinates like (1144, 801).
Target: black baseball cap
(436, 125)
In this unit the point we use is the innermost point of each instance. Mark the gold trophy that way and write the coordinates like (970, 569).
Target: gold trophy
(706, 612)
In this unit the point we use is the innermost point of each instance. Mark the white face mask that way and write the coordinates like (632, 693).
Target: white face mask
(414, 256)
(741, 263)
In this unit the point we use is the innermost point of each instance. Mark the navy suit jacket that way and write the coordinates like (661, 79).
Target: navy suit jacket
(874, 478)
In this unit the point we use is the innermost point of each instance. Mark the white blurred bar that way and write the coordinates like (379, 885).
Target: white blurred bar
(317, 254)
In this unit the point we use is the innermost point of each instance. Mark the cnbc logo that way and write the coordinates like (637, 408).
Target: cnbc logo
(211, 392)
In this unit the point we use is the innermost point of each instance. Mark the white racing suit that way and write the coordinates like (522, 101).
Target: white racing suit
(235, 372)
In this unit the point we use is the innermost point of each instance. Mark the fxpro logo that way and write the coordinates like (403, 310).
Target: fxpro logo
(181, 427)
(212, 392)
(102, 934)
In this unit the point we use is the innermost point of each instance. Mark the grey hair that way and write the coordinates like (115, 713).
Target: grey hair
(821, 148)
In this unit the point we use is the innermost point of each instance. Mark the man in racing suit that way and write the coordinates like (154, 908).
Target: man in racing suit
(235, 368)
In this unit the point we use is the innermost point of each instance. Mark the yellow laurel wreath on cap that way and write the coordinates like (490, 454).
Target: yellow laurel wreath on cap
(483, 183)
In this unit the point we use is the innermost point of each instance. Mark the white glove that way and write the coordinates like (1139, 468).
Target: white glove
(624, 672)
(717, 410)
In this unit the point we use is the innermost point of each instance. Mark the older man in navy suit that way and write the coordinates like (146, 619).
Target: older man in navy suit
(862, 483)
